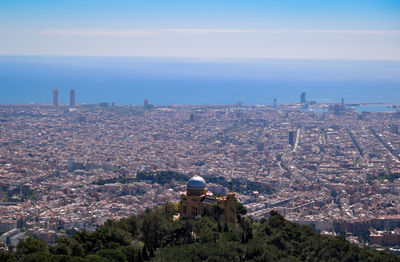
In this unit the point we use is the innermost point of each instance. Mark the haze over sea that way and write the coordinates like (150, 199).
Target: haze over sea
(166, 81)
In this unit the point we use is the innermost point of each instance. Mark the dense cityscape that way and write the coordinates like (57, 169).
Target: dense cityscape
(70, 167)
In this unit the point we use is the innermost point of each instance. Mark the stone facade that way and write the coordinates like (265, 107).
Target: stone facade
(197, 199)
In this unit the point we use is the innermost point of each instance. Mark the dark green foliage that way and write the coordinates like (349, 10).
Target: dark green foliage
(240, 185)
(216, 211)
(240, 209)
(391, 177)
(226, 229)
(168, 177)
(95, 258)
(155, 236)
(154, 229)
(39, 257)
(145, 254)
(162, 177)
(16, 195)
(29, 246)
(114, 255)
(7, 256)
(120, 179)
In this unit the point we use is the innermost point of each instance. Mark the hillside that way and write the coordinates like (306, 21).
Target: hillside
(156, 236)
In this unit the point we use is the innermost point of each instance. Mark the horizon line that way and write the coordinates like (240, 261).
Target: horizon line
(362, 104)
(200, 57)
(141, 32)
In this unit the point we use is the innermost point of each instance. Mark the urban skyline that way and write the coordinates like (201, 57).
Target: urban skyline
(140, 130)
(60, 169)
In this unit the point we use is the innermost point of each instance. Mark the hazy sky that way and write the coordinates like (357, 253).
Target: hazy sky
(340, 29)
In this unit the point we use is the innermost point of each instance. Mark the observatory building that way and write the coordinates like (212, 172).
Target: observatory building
(197, 200)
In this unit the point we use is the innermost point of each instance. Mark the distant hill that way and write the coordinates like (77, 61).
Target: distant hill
(156, 236)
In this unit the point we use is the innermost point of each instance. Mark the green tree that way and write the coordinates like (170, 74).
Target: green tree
(112, 255)
(240, 209)
(130, 253)
(145, 255)
(217, 211)
(95, 258)
(29, 246)
(7, 256)
(38, 257)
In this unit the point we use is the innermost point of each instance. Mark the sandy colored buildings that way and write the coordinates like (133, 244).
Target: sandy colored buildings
(387, 237)
(342, 169)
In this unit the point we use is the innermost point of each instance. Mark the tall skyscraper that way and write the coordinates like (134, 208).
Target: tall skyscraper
(303, 97)
(191, 117)
(337, 109)
(146, 103)
(394, 129)
(274, 102)
(291, 138)
(72, 97)
(55, 97)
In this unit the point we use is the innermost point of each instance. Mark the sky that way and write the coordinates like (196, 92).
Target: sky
(285, 29)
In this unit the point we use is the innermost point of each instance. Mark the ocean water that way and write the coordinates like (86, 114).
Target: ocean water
(166, 81)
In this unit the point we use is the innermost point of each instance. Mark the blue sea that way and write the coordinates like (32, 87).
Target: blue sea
(167, 81)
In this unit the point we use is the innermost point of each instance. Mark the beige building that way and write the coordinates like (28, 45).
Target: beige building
(197, 200)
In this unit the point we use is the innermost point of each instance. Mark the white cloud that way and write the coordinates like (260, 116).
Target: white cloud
(93, 32)
(361, 32)
(139, 32)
